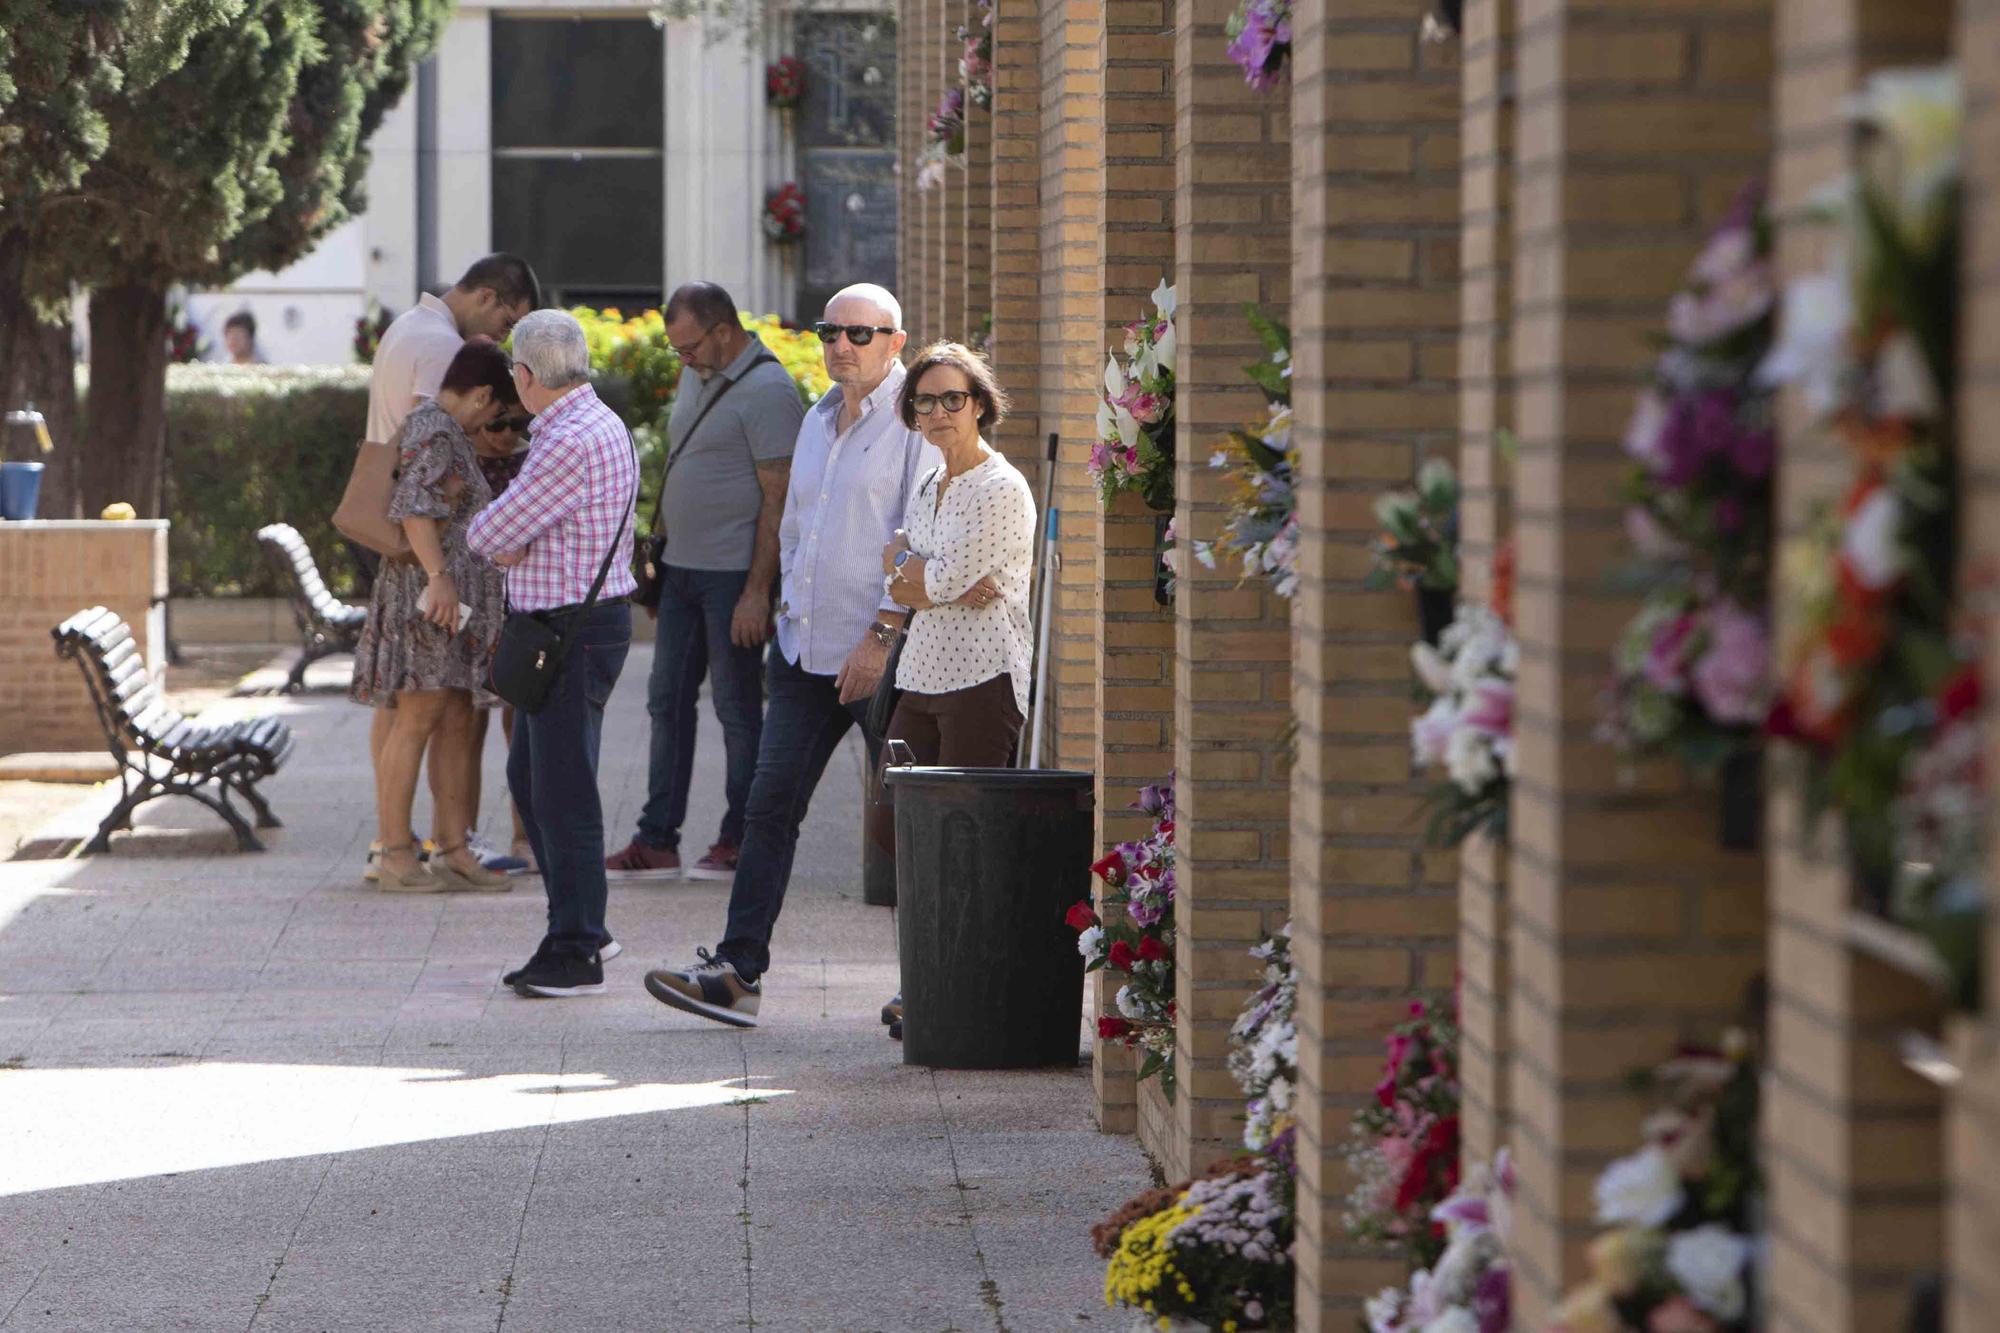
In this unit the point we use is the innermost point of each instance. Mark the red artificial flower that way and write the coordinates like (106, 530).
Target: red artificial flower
(1081, 917)
(1110, 868)
(1151, 950)
(1167, 829)
(1960, 695)
(1121, 956)
(1111, 1029)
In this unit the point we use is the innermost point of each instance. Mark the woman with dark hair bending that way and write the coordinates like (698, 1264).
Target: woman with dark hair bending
(419, 655)
(960, 562)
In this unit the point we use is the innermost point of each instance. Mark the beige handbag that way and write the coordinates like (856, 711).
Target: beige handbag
(363, 515)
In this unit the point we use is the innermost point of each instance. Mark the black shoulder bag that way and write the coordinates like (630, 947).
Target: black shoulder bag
(531, 650)
(651, 557)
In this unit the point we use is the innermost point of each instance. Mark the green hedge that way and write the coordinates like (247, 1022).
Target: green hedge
(253, 445)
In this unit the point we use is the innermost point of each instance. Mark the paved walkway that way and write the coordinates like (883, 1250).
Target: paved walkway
(239, 1092)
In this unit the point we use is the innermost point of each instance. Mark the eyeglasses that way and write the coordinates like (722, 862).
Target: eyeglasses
(502, 425)
(685, 352)
(858, 334)
(952, 401)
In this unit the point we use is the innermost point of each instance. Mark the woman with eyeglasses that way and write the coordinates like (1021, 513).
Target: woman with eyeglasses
(961, 562)
(432, 625)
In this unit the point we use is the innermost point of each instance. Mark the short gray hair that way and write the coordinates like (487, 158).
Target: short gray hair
(879, 297)
(550, 343)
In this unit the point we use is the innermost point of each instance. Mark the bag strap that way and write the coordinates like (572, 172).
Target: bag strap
(596, 586)
(660, 496)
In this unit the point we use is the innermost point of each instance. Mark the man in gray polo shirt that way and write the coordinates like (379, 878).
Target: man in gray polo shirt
(730, 438)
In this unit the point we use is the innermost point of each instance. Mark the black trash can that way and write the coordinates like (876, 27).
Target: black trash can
(988, 860)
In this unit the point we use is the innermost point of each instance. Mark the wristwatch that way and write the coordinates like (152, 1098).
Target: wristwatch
(901, 556)
(885, 634)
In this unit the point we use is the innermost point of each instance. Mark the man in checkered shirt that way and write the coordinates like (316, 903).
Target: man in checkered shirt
(571, 504)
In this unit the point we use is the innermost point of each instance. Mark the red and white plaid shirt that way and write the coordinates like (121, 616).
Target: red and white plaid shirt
(567, 507)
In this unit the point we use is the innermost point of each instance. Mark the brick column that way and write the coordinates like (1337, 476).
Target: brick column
(1486, 409)
(1630, 930)
(1072, 312)
(1852, 1139)
(1232, 674)
(950, 264)
(913, 254)
(1135, 657)
(1972, 1142)
(931, 44)
(1015, 221)
(978, 209)
(1374, 183)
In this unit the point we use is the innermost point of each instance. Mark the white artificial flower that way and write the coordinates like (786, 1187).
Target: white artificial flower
(1469, 758)
(1921, 113)
(1128, 427)
(1087, 942)
(1431, 731)
(1457, 1319)
(1640, 1190)
(1163, 349)
(1105, 422)
(1708, 1262)
(1165, 299)
(1114, 378)
(1870, 541)
(1145, 363)
(1812, 339)
(1903, 383)
(1431, 669)
(1384, 1311)
(1128, 1004)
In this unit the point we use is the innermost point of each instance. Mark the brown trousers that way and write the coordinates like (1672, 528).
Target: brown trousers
(976, 727)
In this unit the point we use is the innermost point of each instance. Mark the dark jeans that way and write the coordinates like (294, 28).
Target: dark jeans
(803, 725)
(692, 641)
(552, 772)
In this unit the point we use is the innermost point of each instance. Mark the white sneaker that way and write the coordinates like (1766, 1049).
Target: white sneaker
(491, 857)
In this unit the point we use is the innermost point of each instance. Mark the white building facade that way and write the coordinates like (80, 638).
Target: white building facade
(621, 158)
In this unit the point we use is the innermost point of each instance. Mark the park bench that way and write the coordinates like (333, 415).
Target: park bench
(159, 752)
(327, 625)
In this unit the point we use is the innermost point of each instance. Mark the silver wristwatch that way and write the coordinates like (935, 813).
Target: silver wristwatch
(884, 634)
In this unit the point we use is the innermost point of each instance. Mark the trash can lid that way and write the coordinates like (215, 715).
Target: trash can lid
(1014, 779)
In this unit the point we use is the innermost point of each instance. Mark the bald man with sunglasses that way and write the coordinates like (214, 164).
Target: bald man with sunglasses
(853, 470)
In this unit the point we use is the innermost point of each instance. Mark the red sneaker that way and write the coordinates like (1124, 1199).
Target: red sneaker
(719, 863)
(639, 862)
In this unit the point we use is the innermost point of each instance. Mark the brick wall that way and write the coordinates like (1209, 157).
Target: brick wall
(1629, 930)
(1072, 312)
(976, 280)
(1972, 1164)
(53, 570)
(1375, 315)
(1232, 223)
(1852, 1139)
(1015, 226)
(950, 264)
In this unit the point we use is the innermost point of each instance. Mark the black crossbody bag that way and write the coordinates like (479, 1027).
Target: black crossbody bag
(531, 650)
(651, 557)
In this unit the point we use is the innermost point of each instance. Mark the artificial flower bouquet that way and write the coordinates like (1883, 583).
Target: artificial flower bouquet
(1403, 1147)
(368, 331)
(944, 140)
(785, 214)
(1468, 728)
(1468, 1290)
(1264, 1046)
(1681, 1253)
(1263, 525)
(1211, 1253)
(1872, 342)
(185, 345)
(1689, 672)
(1260, 40)
(1139, 940)
(1135, 413)
(1418, 544)
(975, 66)
(785, 82)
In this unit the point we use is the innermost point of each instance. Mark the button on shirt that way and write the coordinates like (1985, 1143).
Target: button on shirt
(410, 362)
(709, 513)
(847, 497)
(573, 497)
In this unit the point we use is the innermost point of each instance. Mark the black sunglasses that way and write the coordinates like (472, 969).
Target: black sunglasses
(858, 334)
(501, 425)
(952, 400)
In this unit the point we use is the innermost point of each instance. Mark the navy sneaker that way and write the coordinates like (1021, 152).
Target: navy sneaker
(710, 987)
(561, 976)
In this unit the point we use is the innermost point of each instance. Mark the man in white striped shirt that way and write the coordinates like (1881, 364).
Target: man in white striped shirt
(852, 473)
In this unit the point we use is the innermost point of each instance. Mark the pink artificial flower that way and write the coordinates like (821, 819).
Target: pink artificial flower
(1100, 457)
(1729, 680)
(1642, 437)
(1492, 708)
(1680, 1315)
(1665, 659)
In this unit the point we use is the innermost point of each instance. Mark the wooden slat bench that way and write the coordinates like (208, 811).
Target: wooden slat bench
(327, 625)
(159, 752)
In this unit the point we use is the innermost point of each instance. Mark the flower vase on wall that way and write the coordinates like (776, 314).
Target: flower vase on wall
(1742, 796)
(1434, 611)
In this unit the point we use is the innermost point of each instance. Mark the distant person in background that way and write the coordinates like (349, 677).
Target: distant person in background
(409, 366)
(729, 442)
(239, 338)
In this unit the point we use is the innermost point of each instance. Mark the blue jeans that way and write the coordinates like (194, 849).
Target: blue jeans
(693, 641)
(803, 725)
(552, 773)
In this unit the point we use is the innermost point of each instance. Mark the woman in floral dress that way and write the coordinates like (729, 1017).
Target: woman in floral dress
(418, 655)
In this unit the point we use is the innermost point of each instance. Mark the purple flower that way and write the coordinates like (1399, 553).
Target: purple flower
(1729, 514)
(1729, 678)
(1260, 44)
(1715, 424)
(1642, 437)
(1666, 658)
(1678, 455)
(1751, 454)
(1490, 1301)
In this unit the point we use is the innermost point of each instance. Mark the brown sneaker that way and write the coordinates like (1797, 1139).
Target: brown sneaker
(638, 862)
(718, 863)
